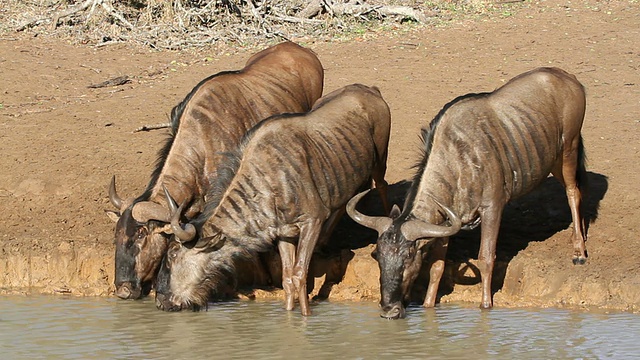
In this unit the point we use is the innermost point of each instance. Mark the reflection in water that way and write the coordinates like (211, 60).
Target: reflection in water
(81, 328)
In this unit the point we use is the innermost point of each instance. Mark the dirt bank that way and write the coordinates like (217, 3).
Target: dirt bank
(61, 142)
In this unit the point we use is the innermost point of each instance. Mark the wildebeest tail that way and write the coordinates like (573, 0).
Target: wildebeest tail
(581, 175)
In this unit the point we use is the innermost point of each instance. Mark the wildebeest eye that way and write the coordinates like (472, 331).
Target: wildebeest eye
(172, 252)
(141, 233)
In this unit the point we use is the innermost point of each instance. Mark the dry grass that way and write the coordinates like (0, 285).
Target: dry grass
(180, 24)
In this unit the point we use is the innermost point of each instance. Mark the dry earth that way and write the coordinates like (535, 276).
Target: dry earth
(61, 142)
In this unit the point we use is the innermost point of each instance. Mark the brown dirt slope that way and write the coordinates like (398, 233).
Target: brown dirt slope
(61, 142)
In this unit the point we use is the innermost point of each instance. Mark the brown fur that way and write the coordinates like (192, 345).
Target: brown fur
(210, 121)
(289, 183)
(481, 151)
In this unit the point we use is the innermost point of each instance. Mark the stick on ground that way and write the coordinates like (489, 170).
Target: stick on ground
(152, 127)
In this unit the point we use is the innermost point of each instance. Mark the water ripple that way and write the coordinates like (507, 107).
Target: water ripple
(42, 327)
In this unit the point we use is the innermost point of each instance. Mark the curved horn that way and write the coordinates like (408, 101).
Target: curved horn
(417, 229)
(144, 211)
(149, 210)
(378, 223)
(113, 194)
(173, 207)
(183, 235)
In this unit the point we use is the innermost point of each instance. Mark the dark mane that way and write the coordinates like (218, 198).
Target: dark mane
(224, 175)
(176, 116)
(426, 136)
(227, 170)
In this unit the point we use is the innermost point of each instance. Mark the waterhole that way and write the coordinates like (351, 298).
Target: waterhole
(104, 328)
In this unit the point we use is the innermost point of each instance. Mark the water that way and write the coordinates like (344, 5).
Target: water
(97, 328)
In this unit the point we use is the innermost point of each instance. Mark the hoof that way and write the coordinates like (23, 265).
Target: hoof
(579, 260)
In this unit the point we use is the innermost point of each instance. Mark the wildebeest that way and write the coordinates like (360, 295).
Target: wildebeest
(210, 120)
(480, 151)
(288, 184)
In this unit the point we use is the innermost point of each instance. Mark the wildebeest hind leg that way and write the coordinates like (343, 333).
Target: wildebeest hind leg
(566, 172)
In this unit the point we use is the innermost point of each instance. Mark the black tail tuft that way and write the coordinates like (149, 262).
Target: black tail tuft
(581, 175)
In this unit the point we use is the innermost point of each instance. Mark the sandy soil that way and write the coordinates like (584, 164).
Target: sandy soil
(61, 142)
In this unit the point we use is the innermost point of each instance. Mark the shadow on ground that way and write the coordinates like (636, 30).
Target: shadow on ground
(534, 217)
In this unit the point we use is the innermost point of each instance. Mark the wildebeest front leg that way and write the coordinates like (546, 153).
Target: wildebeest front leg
(309, 234)
(287, 255)
(435, 262)
(486, 256)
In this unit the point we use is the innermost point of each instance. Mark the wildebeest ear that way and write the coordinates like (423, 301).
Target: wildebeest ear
(164, 229)
(421, 243)
(113, 215)
(395, 211)
(210, 243)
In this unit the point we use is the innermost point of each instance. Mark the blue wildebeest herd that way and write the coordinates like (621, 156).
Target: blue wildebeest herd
(258, 161)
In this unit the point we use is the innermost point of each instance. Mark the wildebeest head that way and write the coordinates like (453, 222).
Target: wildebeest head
(189, 275)
(402, 243)
(140, 240)
(193, 269)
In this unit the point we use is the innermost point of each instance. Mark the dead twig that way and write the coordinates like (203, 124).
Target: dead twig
(85, 5)
(117, 81)
(294, 19)
(315, 7)
(97, 71)
(312, 9)
(105, 4)
(107, 43)
(359, 10)
(30, 112)
(152, 127)
(30, 24)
